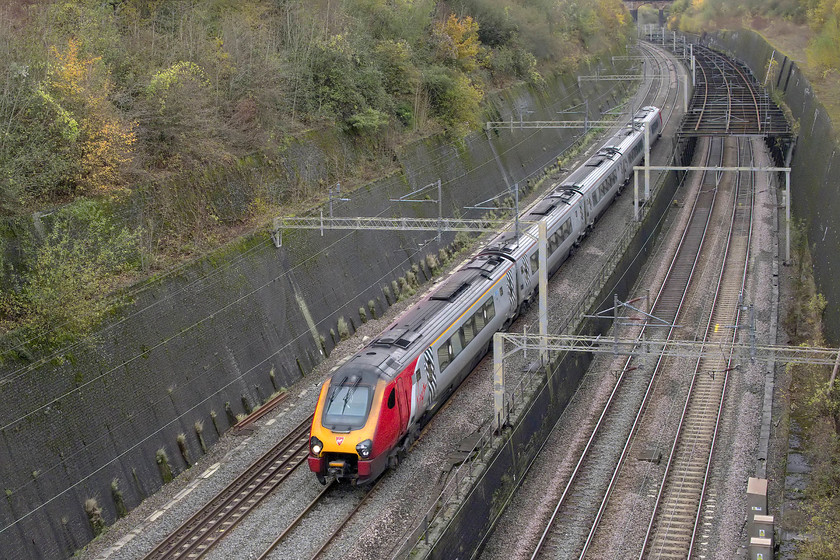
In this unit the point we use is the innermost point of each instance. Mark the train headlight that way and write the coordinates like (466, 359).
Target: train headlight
(364, 449)
(315, 445)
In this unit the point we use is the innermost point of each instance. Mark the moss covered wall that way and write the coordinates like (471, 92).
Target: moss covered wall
(226, 331)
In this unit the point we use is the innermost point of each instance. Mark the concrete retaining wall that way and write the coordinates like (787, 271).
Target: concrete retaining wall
(224, 332)
(815, 175)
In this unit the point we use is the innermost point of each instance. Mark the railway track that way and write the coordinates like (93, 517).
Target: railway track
(727, 100)
(672, 531)
(206, 527)
(196, 536)
(588, 487)
(333, 492)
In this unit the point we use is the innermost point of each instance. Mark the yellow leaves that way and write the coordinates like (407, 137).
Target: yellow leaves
(161, 82)
(458, 41)
(107, 151)
(338, 43)
(68, 126)
(77, 89)
(69, 74)
(612, 15)
(224, 64)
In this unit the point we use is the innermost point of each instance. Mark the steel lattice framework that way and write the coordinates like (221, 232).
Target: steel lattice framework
(670, 348)
(388, 224)
(549, 124)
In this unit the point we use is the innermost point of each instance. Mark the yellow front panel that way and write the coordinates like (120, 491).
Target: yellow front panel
(346, 443)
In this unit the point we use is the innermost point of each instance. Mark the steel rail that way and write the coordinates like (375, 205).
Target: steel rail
(654, 51)
(660, 362)
(750, 89)
(261, 412)
(642, 406)
(693, 384)
(746, 81)
(344, 521)
(707, 58)
(597, 428)
(735, 102)
(728, 94)
(669, 539)
(251, 487)
(745, 269)
(705, 95)
(297, 520)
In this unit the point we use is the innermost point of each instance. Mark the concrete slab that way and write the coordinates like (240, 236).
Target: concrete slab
(797, 464)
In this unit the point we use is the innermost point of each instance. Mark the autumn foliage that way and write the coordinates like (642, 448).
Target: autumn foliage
(458, 41)
(184, 121)
(77, 89)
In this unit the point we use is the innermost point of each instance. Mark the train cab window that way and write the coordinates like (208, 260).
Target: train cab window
(347, 406)
(392, 399)
(535, 262)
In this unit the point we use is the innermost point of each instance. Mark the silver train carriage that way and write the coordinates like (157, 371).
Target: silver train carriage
(372, 407)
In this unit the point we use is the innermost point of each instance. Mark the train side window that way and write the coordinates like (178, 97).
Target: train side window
(392, 399)
(468, 331)
(489, 310)
(479, 320)
(535, 262)
(455, 345)
(443, 356)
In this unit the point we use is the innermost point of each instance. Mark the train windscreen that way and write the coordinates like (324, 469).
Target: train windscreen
(347, 407)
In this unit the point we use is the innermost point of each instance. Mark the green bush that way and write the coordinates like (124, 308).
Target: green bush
(456, 100)
(59, 294)
(184, 113)
(368, 122)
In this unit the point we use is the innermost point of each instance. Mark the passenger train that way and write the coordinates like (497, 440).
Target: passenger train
(372, 407)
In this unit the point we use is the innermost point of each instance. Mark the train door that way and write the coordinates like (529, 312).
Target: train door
(587, 209)
(579, 222)
(421, 384)
(524, 278)
(403, 396)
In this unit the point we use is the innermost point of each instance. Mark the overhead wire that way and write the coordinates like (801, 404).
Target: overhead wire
(451, 155)
(210, 316)
(179, 417)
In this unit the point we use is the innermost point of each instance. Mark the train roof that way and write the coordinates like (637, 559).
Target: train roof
(389, 353)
